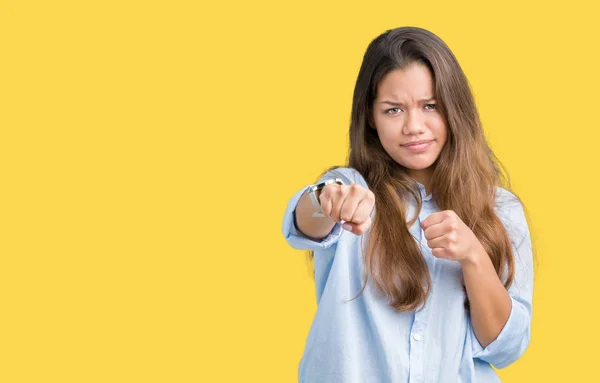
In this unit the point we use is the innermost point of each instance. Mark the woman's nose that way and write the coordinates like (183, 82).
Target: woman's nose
(414, 123)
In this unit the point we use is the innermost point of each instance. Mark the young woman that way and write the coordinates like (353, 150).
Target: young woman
(422, 255)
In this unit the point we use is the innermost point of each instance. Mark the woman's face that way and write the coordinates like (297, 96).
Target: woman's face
(409, 125)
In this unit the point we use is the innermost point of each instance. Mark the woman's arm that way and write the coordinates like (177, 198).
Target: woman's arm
(500, 320)
(489, 301)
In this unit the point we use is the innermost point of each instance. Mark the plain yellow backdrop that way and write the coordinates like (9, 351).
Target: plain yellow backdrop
(148, 150)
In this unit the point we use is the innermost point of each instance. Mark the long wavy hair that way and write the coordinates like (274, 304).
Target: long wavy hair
(464, 179)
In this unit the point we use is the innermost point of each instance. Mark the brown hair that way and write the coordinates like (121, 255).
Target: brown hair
(464, 180)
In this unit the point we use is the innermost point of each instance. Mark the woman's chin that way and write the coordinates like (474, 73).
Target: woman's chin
(417, 165)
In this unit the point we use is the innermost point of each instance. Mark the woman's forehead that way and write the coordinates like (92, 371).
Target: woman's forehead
(412, 84)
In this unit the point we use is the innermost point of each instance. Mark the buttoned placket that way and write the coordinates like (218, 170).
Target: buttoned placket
(419, 325)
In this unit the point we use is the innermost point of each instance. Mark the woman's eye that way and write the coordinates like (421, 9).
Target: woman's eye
(390, 110)
(430, 106)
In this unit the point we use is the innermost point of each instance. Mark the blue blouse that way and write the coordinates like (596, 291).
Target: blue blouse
(365, 340)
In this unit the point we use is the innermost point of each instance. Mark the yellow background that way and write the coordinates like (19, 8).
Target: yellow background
(148, 150)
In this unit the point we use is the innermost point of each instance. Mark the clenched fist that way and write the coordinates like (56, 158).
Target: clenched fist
(450, 238)
(352, 204)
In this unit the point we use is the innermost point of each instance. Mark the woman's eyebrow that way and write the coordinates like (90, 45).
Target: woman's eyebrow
(400, 104)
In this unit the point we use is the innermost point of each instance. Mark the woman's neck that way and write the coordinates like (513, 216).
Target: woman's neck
(423, 177)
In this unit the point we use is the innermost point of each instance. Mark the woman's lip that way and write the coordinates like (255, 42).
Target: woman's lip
(418, 146)
(418, 143)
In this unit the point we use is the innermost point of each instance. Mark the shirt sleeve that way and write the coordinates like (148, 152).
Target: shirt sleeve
(514, 337)
(291, 233)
